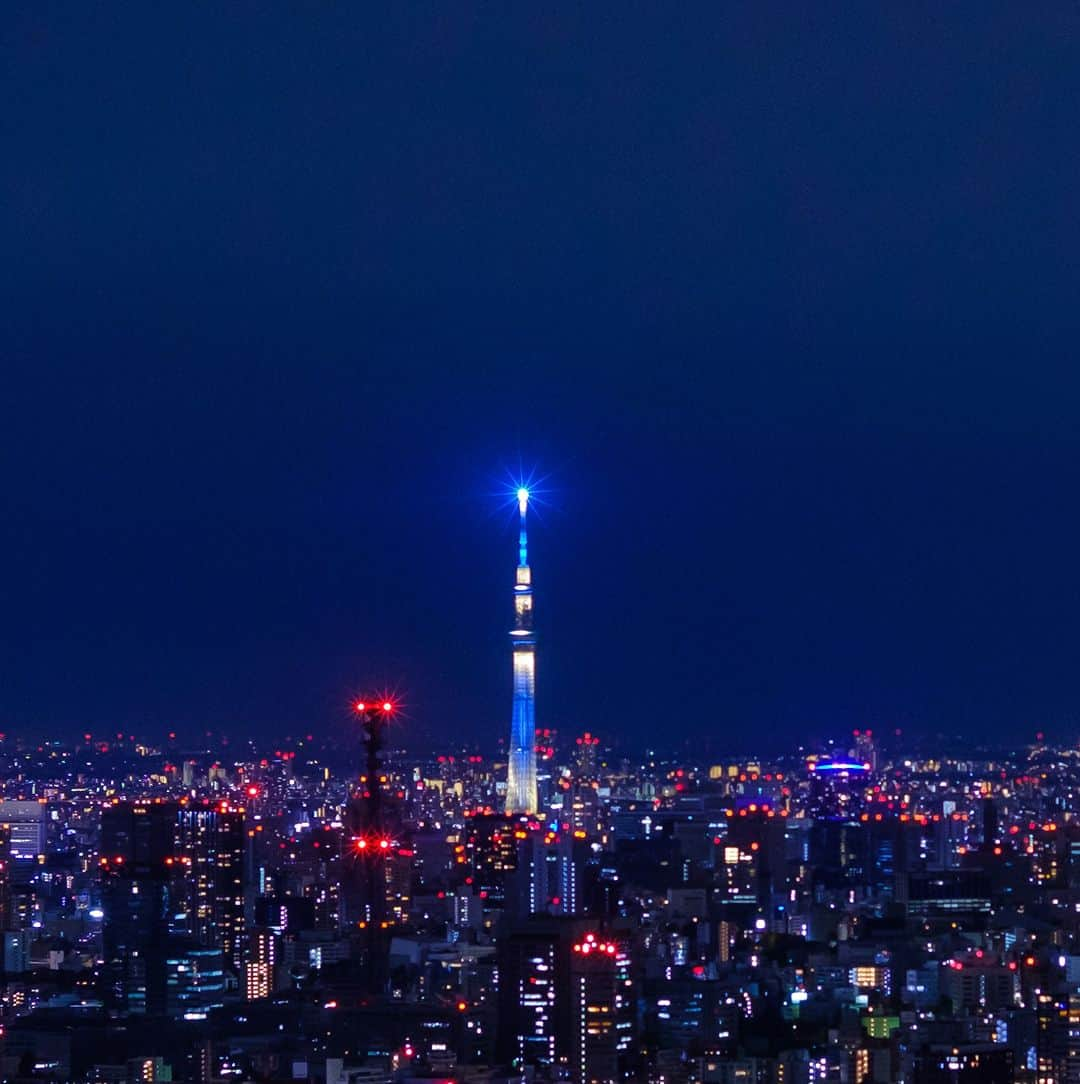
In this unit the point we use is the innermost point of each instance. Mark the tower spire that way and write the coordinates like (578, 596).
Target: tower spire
(523, 537)
(521, 794)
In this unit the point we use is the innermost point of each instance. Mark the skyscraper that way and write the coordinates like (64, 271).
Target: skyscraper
(521, 767)
(565, 998)
(26, 829)
(546, 878)
(139, 891)
(209, 844)
(262, 957)
(171, 881)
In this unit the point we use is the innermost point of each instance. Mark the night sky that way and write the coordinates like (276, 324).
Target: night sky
(782, 301)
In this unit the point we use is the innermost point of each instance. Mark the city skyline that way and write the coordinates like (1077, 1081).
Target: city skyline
(735, 343)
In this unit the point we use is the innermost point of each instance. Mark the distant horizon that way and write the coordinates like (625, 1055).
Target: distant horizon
(688, 750)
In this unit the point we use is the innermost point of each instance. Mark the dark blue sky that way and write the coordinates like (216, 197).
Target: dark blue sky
(784, 299)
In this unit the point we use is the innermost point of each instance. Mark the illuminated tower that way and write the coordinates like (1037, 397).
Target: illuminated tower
(521, 769)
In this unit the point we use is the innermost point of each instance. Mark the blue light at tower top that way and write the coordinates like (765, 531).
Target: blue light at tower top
(525, 489)
(523, 540)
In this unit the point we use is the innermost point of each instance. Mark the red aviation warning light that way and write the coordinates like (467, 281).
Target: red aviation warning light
(363, 707)
(371, 843)
(253, 791)
(591, 944)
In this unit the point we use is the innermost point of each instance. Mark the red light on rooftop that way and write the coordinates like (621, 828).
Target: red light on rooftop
(387, 706)
(384, 844)
(361, 844)
(253, 792)
(360, 705)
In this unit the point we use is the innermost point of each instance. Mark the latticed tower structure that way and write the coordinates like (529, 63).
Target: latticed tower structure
(521, 767)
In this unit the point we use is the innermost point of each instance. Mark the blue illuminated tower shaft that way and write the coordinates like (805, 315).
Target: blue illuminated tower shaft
(521, 770)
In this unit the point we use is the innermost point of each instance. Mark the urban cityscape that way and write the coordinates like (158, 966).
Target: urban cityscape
(538, 542)
(551, 908)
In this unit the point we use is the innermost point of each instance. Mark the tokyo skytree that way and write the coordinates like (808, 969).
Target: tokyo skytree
(521, 769)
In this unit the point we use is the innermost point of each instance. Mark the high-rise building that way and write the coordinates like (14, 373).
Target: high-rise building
(865, 750)
(489, 849)
(137, 889)
(980, 983)
(546, 878)
(196, 981)
(262, 958)
(565, 998)
(25, 823)
(210, 845)
(171, 882)
(1051, 1037)
(521, 768)
(586, 757)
